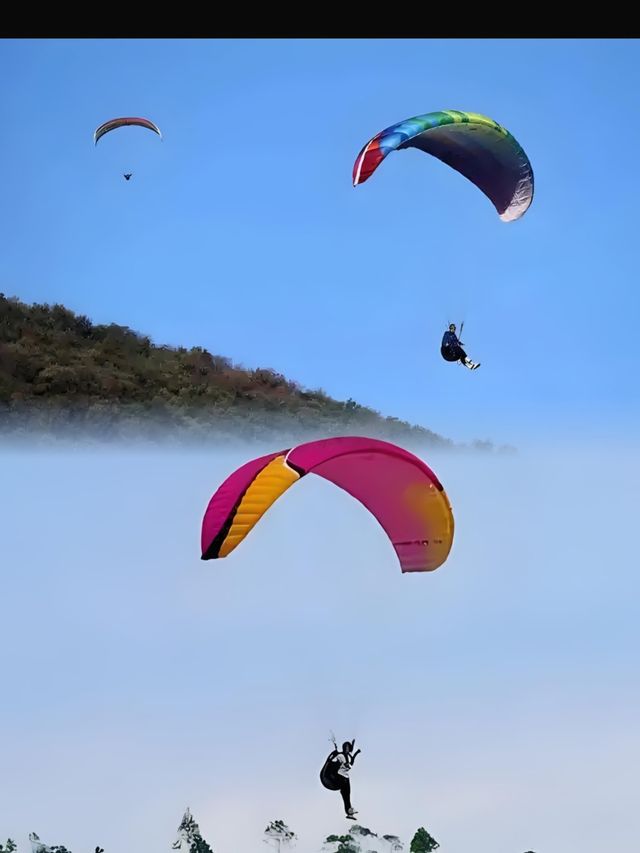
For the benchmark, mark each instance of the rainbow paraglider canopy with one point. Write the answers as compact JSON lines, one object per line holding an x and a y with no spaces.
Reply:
{"x":472,"y":144}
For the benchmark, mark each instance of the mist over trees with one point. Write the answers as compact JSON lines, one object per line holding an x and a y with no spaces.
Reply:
{"x":62,"y":374}
{"x":277,"y":835}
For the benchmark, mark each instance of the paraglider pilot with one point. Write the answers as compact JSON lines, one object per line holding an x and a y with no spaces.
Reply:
{"x":335,"y":774}
{"x":451,"y":349}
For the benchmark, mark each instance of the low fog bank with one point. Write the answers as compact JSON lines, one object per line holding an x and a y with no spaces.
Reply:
{"x":182,"y":427}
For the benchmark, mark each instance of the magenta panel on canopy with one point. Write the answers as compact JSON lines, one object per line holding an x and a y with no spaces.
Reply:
{"x":390,"y":482}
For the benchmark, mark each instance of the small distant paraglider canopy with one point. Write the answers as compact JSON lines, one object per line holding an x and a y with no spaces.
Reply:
{"x":472,"y":144}
{"x":400,"y":491}
{"x":114,"y":123}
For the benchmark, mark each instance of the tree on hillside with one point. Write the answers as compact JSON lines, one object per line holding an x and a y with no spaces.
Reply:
{"x":345,"y":844}
{"x":37,"y":846}
{"x":423,"y":842}
{"x":279,"y":835}
{"x":189,"y":838}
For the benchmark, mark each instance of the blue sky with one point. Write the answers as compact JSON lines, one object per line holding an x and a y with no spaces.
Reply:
{"x":496,"y":700}
{"x":241,"y":231}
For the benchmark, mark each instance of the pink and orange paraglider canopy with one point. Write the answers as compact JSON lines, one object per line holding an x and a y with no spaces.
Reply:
{"x":403,"y":494}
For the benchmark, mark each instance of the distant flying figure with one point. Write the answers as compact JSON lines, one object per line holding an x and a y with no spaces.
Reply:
{"x":451,"y":349}
{"x":116,"y":123}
